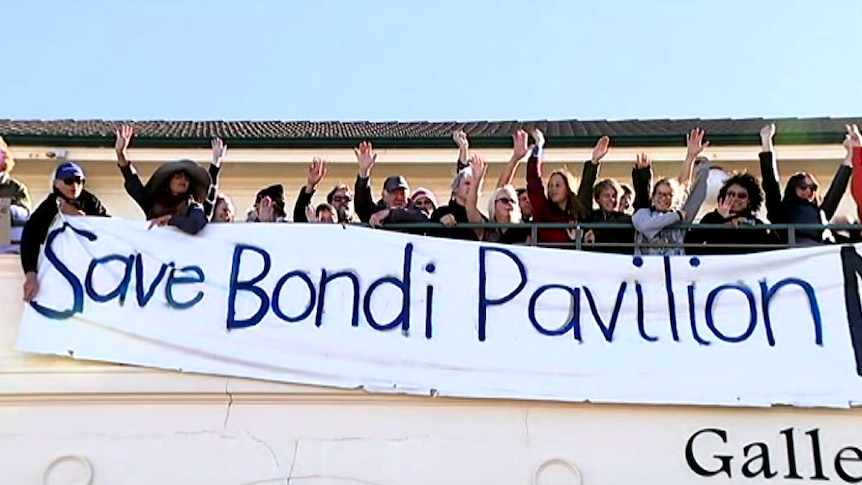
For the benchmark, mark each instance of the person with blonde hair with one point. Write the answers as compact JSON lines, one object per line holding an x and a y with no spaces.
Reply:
{"x":502,"y":208}
{"x":674,"y":200}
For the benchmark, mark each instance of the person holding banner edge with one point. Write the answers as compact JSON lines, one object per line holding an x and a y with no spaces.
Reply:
{"x":68,"y":198}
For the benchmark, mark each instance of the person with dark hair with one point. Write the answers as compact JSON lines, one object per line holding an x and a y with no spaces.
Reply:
{"x":223,"y":209}
{"x":524,"y":204}
{"x":801,"y":203}
{"x":739,"y":199}
{"x":173,"y":195}
{"x":561,"y":204}
{"x":268,"y":205}
{"x":627,"y":199}
{"x":67,"y":197}
{"x":323,"y":213}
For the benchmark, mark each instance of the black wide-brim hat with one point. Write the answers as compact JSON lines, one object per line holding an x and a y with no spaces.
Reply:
{"x":199,"y":177}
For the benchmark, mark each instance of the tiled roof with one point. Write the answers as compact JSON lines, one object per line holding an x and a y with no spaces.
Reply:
{"x":419,"y":134}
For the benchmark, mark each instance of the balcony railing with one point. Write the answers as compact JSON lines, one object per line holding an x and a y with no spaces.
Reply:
{"x":788,"y":233}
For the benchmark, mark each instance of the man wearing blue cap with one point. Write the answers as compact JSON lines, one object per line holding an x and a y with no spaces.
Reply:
{"x":69,"y":198}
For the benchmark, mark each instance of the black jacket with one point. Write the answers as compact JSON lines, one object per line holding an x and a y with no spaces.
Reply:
{"x":707,"y":237}
{"x":36,"y":229}
{"x":792,"y":209}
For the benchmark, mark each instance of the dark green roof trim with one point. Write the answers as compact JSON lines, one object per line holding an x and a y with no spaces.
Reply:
{"x":389,"y":142}
{"x":483,"y":134}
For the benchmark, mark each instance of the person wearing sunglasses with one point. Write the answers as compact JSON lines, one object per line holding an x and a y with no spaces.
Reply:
{"x":801,"y":203}
{"x":67,"y":197}
{"x":739,"y":200}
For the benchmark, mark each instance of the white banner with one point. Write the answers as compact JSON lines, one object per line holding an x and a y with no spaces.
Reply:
{"x":351,"y":307}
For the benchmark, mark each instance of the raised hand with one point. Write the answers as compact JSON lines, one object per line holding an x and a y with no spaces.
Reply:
{"x":121,"y":145}
{"x":643,"y":160}
{"x":694,"y":143}
{"x":479,"y":168}
{"x":461,"y":139}
{"x":520,"y":144}
{"x":219,"y":151}
{"x":767,"y":132}
{"x":538,"y":138}
{"x":316,"y":172}
{"x":266,"y":210}
{"x":601,"y":149}
{"x":310,"y":213}
{"x":366,"y":157}
{"x":766,"y":135}
{"x":855,"y":136}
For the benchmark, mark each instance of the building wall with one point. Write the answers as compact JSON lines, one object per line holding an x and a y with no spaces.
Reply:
{"x":68,"y":422}
{"x":247,"y":171}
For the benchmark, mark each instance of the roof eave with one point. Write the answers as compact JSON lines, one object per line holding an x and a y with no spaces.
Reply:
{"x":407,"y":142}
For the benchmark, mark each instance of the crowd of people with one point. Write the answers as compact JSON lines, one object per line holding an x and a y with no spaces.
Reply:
{"x":642,"y":218}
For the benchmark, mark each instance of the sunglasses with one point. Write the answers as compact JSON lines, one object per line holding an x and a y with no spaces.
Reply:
{"x":339,"y":199}
{"x":737,"y":194}
{"x":73,"y":180}
{"x":506,"y":200}
{"x":809,"y":186}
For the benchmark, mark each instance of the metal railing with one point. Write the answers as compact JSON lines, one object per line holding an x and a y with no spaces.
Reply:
{"x":788,"y":233}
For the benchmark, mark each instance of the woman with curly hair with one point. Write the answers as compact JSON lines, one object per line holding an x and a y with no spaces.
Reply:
{"x":739,"y":199}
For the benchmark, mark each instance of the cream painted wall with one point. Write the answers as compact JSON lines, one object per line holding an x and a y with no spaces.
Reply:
{"x":247,"y":171}
{"x":67,"y":422}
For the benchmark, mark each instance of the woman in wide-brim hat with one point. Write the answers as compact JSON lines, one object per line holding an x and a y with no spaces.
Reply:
{"x":173,"y":195}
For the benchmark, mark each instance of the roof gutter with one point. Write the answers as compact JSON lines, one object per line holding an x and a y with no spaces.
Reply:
{"x":663,"y":140}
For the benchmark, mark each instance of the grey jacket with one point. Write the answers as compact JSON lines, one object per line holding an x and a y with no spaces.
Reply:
{"x":653,"y":226}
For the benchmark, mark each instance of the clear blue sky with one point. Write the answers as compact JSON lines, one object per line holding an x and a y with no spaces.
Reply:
{"x":430,"y":60}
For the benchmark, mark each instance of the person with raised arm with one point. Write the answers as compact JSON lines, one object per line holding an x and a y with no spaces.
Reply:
{"x":502,"y":208}
{"x":173,"y":195}
{"x":672,"y":201}
{"x":460,"y":137}
{"x":561,"y":204}
{"x":217,"y":206}
{"x":393,"y":206}
{"x":316,"y":172}
{"x":455,"y":212}
{"x":801,"y":203}
{"x":519,"y":139}
{"x":67,"y":197}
